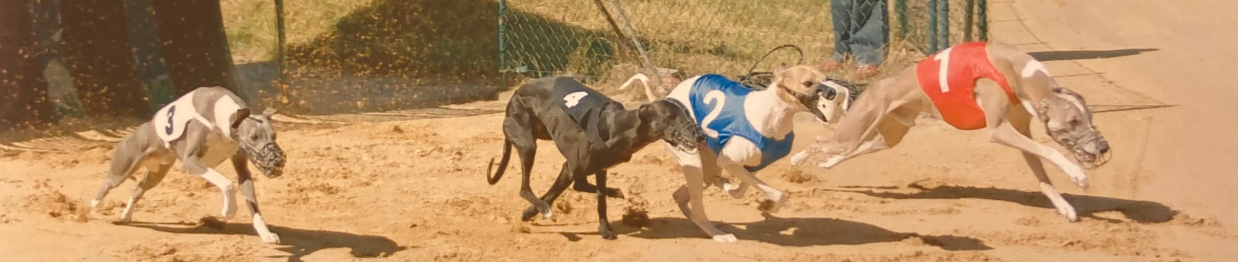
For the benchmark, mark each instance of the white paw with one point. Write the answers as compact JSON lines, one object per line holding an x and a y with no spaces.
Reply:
{"x":772,"y":205}
{"x":270,"y":238}
{"x":549,"y":214}
{"x":94,"y":204}
{"x":1080,"y":180}
{"x":799,"y":158}
{"x":726,"y":238}
{"x":1069,"y":212}
{"x":831,"y":162}
{"x":734,"y":190}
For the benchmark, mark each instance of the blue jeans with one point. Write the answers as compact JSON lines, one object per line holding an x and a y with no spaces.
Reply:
{"x":860,"y":29}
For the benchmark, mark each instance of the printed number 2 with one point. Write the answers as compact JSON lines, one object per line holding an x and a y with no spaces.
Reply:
{"x":710,"y":97}
{"x":171,"y":112}
{"x":574,"y":98}
{"x":944,"y":59}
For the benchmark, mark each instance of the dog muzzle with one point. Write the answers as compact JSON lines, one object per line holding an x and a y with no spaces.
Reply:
{"x":269,"y":159}
{"x":1091,"y":152}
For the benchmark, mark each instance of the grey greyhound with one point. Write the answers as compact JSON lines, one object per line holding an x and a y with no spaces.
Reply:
{"x":201,"y":129}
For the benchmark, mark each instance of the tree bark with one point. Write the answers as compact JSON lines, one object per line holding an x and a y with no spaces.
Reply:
{"x":101,"y":59}
{"x":23,"y":91}
{"x":195,"y":46}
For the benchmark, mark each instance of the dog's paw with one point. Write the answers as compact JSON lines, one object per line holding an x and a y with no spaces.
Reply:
{"x":607,"y":234}
{"x":735,"y":191}
{"x":726,"y":238}
{"x":1081,"y":181}
{"x":799,"y":158}
{"x":1068,"y":212}
{"x":528,"y":214}
{"x":270,"y":238}
{"x":612,"y":192}
{"x":831,"y":162}
{"x":772,"y":206}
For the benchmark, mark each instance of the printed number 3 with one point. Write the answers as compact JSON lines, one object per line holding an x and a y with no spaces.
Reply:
{"x":710,"y":97}
{"x":171,"y":112}
{"x":944,"y":59}
{"x":574,"y":98}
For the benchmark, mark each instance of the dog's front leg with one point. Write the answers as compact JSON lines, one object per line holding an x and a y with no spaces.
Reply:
{"x":689,"y":197}
{"x":194,"y":165}
{"x":1007,"y":135}
{"x":603,"y":223}
{"x":247,"y":189}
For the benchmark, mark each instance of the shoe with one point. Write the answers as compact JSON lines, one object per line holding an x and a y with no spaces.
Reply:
{"x":866,"y":71}
{"x":831,"y":66}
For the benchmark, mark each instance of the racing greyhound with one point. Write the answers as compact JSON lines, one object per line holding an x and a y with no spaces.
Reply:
{"x":592,"y":132}
{"x":201,"y":129}
{"x":975,"y":86}
{"x":746,"y":128}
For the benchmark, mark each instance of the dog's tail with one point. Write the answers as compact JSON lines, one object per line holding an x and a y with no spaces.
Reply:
{"x":507,"y":155}
{"x":644,"y":80}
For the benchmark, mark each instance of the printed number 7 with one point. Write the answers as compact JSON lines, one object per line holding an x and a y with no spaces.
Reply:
{"x":944,"y":59}
{"x":710,"y":97}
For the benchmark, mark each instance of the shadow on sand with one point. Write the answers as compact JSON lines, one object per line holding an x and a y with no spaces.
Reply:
{"x":1087,"y":54}
{"x":793,"y":232}
{"x":297,"y":242}
{"x":1086,"y":206}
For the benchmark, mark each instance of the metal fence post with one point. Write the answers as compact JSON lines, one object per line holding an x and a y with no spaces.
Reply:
{"x":900,"y":9}
{"x":932,"y":24}
{"x":279,"y":39}
{"x":969,"y":7}
{"x":502,"y":47}
{"x":944,"y":30}
{"x":983,"y":25}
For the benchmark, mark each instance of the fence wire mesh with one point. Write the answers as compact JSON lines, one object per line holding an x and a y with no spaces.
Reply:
{"x":574,"y":38}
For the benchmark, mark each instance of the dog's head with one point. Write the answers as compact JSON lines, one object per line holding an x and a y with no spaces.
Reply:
{"x":256,"y":136}
{"x":810,"y":90}
{"x":1069,"y":121}
{"x":667,"y":120}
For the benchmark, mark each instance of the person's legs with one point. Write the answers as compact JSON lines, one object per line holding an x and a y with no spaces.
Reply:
{"x":840,"y":16}
{"x":871,"y":38}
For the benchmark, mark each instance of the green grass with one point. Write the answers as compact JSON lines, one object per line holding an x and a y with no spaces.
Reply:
{"x":455,"y":40}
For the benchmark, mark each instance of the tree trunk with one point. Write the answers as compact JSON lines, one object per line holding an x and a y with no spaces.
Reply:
{"x":23,"y":91}
{"x":195,"y":46}
{"x":101,"y":59}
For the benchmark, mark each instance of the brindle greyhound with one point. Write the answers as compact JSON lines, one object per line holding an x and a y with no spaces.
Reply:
{"x":592,"y":132}
{"x":201,"y":129}
{"x":975,"y":86}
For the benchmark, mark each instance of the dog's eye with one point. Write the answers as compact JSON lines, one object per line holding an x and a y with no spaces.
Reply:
{"x":809,"y":83}
{"x":253,"y":137}
{"x":1074,"y":122}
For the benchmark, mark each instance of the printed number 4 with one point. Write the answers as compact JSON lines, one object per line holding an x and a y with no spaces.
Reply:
{"x":574,"y":98}
{"x":171,"y":112}
{"x":944,"y":59}
{"x":710,"y":97}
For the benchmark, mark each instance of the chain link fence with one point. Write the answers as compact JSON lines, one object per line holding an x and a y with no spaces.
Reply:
{"x":574,"y":38}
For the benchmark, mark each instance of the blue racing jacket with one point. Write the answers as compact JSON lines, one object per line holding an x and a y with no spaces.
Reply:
{"x":713,"y":91}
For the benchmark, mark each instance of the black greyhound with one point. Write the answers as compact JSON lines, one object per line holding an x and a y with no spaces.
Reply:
{"x":591,"y":130}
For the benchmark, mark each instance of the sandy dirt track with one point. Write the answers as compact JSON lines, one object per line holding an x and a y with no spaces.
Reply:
{"x":414,"y":190}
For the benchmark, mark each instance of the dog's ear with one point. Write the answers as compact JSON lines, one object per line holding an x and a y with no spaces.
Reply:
{"x":240,"y":116}
{"x":270,"y":111}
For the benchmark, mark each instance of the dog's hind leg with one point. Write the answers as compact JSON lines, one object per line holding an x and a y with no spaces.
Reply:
{"x":564,"y":179}
{"x":689,"y":197}
{"x":519,"y":127}
{"x":603,"y":223}
{"x":125,"y":161}
{"x":154,"y":175}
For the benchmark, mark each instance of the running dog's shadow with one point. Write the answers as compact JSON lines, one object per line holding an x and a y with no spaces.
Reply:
{"x":297,"y":242}
{"x":795,"y":232}
{"x":1046,"y":56}
{"x":1086,"y":206}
